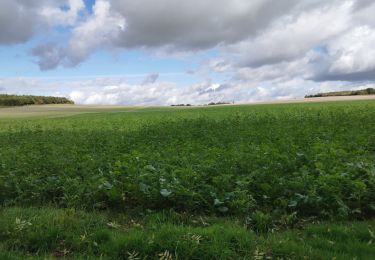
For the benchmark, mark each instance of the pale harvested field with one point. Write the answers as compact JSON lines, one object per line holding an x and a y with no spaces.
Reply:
{"x":313,"y":100}
{"x":70,"y":110}
{"x":58,"y":110}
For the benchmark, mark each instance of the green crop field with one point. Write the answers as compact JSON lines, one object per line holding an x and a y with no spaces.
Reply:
{"x":282,"y":181}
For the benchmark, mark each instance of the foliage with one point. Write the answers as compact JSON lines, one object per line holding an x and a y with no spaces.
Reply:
{"x":15,"y":100}
{"x":367,"y":91}
{"x":181,"y":105}
{"x":219,"y":103}
{"x":315,"y":161}
{"x":209,"y":182}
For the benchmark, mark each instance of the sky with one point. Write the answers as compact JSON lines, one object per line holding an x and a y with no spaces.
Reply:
{"x":147,"y":52}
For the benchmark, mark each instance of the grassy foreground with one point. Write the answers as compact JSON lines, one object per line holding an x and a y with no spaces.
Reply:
{"x":49,"y":233}
{"x":288,"y":181}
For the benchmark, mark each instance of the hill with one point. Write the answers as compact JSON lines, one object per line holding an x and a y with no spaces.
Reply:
{"x":368,"y":91}
{"x":16,"y":100}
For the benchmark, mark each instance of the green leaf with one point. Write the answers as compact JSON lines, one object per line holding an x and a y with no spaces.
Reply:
{"x":150,"y":168}
{"x":165,"y":193}
{"x":293,"y":203}
{"x":106,"y":186}
{"x":222,"y":209}
{"x":144,"y":187}
{"x":217,"y":202}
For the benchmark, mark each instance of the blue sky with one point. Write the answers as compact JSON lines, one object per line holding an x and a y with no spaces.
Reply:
{"x":89,"y":4}
{"x":133,"y":65}
{"x":147,"y":53}
{"x":17,"y":61}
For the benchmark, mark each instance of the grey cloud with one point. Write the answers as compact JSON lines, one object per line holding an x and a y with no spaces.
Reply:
{"x":50,"y":55}
{"x":17,"y":22}
{"x":196,"y":24}
{"x":224,"y":86}
{"x":350,"y":76}
{"x":318,"y":40}
{"x":365,"y":13}
{"x":20,"y":20}
{"x":348,"y":57}
{"x":358,"y":5}
{"x":150,"y":79}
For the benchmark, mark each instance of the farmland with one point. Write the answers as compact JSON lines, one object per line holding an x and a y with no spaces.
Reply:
{"x":278,"y":181}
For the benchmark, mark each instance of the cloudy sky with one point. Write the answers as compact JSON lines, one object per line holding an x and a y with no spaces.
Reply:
{"x":147,"y":52}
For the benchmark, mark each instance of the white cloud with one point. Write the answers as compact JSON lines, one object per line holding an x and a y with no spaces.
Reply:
{"x":99,"y":31}
{"x":349,"y":57}
{"x":322,"y":41}
{"x":292,"y":36}
{"x":111,"y":91}
{"x":64,"y":14}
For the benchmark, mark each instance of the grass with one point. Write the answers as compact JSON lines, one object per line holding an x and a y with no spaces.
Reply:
{"x":234,"y":182}
{"x":47,"y":233}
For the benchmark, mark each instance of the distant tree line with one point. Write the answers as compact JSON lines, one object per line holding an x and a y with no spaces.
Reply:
{"x":181,"y":105}
{"x":368,"y":91}
{"x":218,"y":103}
{"x":209,"y":104}
{"x":16,"y":100}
